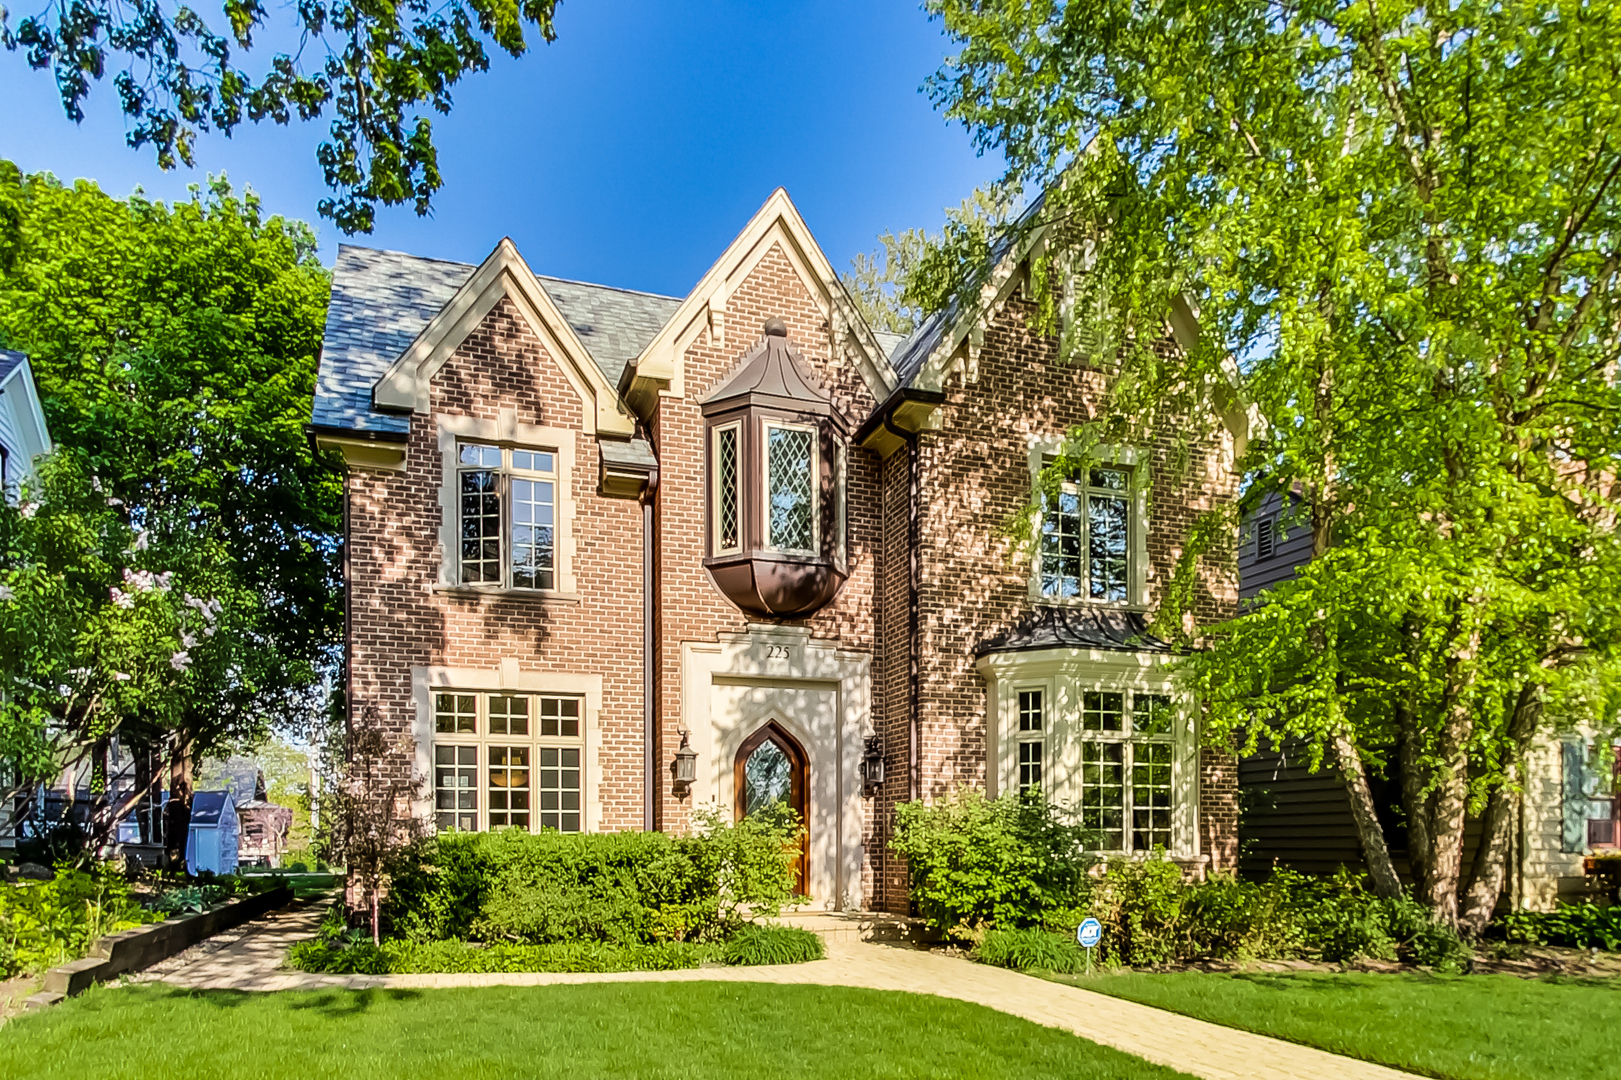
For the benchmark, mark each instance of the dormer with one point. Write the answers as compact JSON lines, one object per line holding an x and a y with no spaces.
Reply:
{"x":775,"y":465}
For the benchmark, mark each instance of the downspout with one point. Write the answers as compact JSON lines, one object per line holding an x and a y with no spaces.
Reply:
{"x":913,"y":574}
{"x":649,"y":661}
{"x":348,"y":619}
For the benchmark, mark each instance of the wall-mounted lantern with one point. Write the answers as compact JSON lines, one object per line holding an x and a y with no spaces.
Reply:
{"x":686,"y":764}
{"x":872,"y":766}
{"x":777,"y":455}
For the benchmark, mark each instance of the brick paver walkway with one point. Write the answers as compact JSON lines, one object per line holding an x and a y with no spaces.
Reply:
{"x":249,"y":962}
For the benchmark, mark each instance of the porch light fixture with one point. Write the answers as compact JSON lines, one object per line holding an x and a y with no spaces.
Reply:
{"x":686,"y":763}
{"x":872,"y":766}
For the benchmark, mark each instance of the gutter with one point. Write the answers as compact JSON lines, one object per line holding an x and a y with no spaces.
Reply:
{"x":914,"y":560}
{"x":650,"y":762}
{"x":883,"y":415}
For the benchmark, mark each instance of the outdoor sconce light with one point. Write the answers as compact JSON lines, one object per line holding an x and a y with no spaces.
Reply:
{"x":686,"y":763}
{"x":872,"y":765}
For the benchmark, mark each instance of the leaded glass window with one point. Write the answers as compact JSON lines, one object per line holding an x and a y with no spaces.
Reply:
{"x":1085,"y":538}
{"x":767,"y":777}
{"x":790,"y":488}
{"x":727,"y":524}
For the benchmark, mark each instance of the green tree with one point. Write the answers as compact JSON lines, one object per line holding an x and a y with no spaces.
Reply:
{"x":1404,"y":223}
{"x":378,"y":67}
{"x":175,"y":348}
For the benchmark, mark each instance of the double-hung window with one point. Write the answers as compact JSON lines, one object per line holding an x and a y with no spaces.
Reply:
{"x":1032,"y":739}
{"x":792,"y":498}
{"x":1085,"y":537}
{"x":504,"y":760}
{"x":1127,"y":744}
{"x":507,"y":510}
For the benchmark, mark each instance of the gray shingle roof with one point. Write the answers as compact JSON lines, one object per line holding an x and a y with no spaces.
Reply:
{"x":381,"y":300}
{"x":9,"y":361}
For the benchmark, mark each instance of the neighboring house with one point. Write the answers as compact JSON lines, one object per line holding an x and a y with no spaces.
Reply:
{"x":23,"y":434}
{"x":211,"y":842}
{"x":263,"y":825}
{"x":599,"y":542}
{"x":1302,"y":819}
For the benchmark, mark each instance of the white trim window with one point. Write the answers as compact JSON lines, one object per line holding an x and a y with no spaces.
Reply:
{"x":507,"y":760}
{"x":791,"y":492}
{"x":1086,"y":528}
{"x":727,"y":454}
{"x":506,"y":516}
{"x":1127,"y":742}
{"x":1032,"y":706}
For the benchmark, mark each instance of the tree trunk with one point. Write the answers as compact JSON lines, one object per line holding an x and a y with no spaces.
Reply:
{"x":1490,"y":867}
{"x":1375,"y":850}
{"x":143,"y":783}
{"x":177,"y":811}
{"x":1447,"y":804}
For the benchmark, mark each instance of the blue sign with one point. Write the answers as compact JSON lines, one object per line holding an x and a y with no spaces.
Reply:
{"x":1089,"y":933}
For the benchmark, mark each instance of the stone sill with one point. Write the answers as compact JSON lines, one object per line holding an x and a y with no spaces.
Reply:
{"x":543,"y":596}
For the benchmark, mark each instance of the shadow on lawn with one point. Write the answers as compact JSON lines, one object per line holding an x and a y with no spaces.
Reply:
{"x":340,"y":1004}
{"x":335,"y":1004}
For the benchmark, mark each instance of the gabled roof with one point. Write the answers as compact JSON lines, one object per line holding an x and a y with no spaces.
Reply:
{"x":209,"y":807}
{"x":1076,"y":628}
{"x":382,"y":301}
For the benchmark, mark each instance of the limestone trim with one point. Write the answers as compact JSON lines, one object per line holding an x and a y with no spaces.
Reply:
{"x":504,"y":431}
{"x":405,"y":385}
{"x":1066,"y":674}
{"x":814,"y":690}
{"x":365,"y":453}
{"x":509,"y":675}
{"x":1043,"y":451}
{"x":658,"y":371}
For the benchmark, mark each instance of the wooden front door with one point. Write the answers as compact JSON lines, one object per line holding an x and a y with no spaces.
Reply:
{"x":771,"y":768}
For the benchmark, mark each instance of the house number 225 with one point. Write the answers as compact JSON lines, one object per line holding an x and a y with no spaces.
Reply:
{"x":778,"y":652}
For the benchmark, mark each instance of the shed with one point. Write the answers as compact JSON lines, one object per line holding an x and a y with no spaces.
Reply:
{"x":211,"y":844}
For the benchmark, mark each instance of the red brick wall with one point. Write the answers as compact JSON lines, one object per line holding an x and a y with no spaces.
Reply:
{"x":690,"y":607}
{"x":975,"y":474}
{"x":400,"y":622}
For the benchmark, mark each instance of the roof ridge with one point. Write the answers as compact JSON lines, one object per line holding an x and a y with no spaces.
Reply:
{"x":614,"y":288}
{"x":408,"y":255}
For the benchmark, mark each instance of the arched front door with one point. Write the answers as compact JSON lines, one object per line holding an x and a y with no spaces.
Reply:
{"x":772,"y":768}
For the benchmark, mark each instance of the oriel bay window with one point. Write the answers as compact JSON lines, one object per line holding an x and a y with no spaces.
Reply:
{"x":776,"y":461}
{"x":1086,"y":537}
{"x":507,"y":516}
{"x":503,"y":760}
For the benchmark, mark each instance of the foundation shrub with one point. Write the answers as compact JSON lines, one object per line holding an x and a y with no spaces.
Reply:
{"x":755,"y":944}
{"x":616,"y":888}
{"x":1011,"y":863}
{"x":1030,"y":950}
{"x":1577,"y":926}
{"x":981,"y":865}
{"x":395,"y":957}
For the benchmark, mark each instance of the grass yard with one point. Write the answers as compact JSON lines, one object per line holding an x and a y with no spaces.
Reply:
{"x":647,"y":1030}
{"x":1464,"y":1027}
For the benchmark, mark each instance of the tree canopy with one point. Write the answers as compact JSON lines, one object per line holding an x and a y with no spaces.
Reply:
{"x":378,"y":67}
{"x":1400,"y":227}
{"x":174,"y":577}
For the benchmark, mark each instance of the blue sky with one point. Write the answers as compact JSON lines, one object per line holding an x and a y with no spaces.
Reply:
{"x":629,"y":152}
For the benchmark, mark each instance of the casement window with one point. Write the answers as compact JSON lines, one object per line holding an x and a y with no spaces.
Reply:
{"x":792,"y":503}
{"x":1086,"y":540}
{"x":1032,"y":739}
{"x":727,"y":455}
{"x":506,"y":516}
{"x":507,"y":760}
{"x":1127,"y":744}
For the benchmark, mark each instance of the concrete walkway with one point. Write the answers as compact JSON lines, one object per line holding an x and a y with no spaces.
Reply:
{"x":250,"y":959}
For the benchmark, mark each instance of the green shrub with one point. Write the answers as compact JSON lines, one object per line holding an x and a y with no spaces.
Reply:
{"x":409,"y":957}
{"x":1008,"y":862}
{"x":756,"y":944}
{"x":620,"y":888}
{"x":44,"y":923}
{"x":1030,"y":950}
{"x":1577,"y":926}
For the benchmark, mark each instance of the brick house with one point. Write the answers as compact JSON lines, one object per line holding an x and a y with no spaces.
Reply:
{"x":591,"y":530}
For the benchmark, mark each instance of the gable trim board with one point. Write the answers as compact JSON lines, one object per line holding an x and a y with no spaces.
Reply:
{"x":659,"y":370}
{"x":405,"y":385}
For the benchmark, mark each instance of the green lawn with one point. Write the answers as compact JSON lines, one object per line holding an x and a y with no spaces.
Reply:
{"x":1465,"y":1027}
{"x":712,"y":1030}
